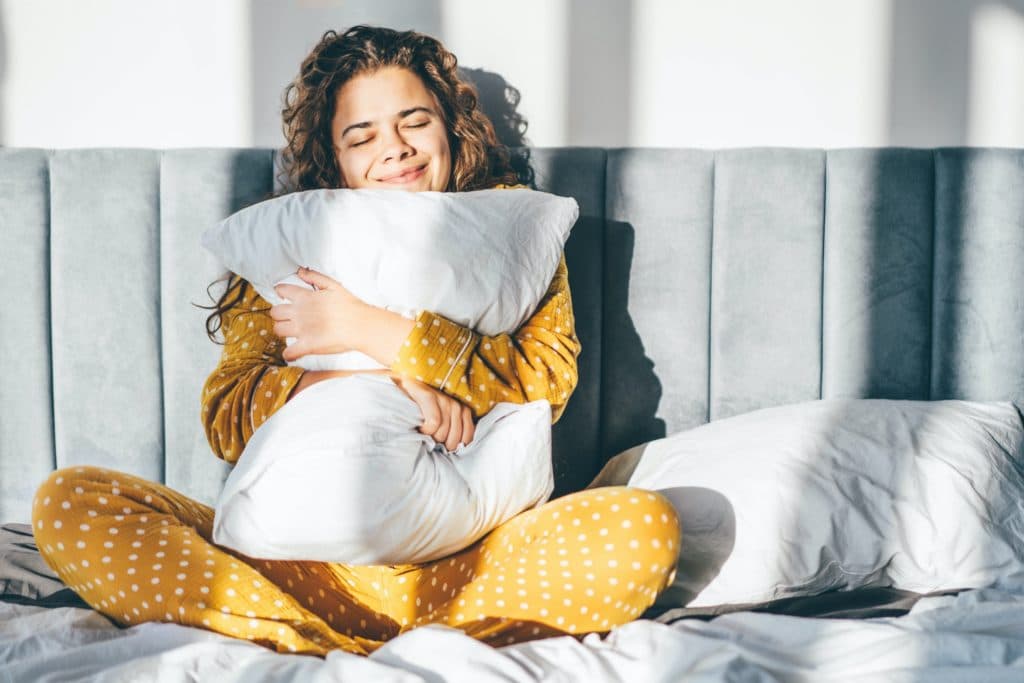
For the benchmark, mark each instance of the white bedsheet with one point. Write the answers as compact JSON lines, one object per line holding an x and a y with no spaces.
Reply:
{"x":975,"y":636}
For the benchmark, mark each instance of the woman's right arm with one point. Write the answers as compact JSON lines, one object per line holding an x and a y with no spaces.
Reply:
{"x":252,"y":380}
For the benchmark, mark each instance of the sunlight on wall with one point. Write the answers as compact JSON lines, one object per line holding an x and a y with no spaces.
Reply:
{"x":735,"y":73}
{"x":661,"y":73}
{"x":525,"y":42}
{"x":126,"y":74}
{"x":996,"y":104}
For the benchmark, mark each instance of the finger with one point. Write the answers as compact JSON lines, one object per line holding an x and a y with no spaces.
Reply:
{"x":455,"y":432}
{"x":281,"y":311}
{"x":317,"y":279}
{"x":293,"y":352}
{"x":291,"y":292}
{"x":431,"y":414}
{"x":468,"y":428}
{"x":285,"y":328}
{"x":445,"y":416}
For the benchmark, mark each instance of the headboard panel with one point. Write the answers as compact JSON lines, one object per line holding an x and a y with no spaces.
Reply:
{"x":26,"y":381}
{"x":105,"y":309}
{"x":978,"y":300}
{"x":879,"y":218}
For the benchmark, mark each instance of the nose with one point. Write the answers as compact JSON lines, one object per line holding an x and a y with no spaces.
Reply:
{"x":394,"y":146}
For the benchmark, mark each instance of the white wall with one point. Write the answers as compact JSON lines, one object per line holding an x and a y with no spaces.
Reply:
{"x":815,"y":73}
{"x":124,"y":73}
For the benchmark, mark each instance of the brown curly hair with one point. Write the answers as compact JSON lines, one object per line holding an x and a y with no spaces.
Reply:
{"x":308,"y":161}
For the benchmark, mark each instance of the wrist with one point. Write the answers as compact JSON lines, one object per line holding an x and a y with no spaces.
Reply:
{"x":382,"y":333}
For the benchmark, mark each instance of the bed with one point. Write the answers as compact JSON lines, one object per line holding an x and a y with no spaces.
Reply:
{"x":707,"y":284}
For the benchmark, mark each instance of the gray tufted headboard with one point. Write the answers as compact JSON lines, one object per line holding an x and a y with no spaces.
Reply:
{"x":705,"y":283}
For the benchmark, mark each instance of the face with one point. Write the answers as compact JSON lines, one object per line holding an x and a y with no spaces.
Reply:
{"x":388,"y":133}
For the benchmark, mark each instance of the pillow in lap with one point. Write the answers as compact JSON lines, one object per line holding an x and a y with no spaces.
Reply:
{"x":840,"y":494}
{"x":340,"y":473}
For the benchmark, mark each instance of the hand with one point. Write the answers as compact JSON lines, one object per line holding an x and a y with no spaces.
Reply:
{"x":322,"y":320}
{"x":445,"y":419}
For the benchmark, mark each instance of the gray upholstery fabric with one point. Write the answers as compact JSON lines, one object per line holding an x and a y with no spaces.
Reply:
{"x":766,"y":278}
{"x":705,"y":283}
{"x":879,"y":220}
{"x":657,"y":296}
{"x":978,"y":298}
{"x":26,"y":386}
{"x":105,"y":309}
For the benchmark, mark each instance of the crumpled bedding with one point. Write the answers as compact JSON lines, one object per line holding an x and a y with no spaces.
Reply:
{"x":976,"y":635}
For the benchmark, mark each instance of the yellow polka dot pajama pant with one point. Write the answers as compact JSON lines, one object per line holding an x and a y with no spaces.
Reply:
{"x":139,"y":551}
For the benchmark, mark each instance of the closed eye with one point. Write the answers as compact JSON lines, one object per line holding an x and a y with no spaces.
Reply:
{"x":415,"y":125}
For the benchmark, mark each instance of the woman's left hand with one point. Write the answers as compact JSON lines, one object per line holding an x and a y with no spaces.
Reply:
{"x":322,"y":321}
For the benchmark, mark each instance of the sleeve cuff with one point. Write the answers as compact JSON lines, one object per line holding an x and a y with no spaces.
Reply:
{"x":432,"y":351}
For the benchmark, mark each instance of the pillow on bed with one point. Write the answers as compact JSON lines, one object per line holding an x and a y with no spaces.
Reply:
{"x":840,"y":494}
{"x":482,"y":259}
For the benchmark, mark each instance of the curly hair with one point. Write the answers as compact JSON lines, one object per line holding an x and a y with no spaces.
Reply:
{"x":308,"y":161}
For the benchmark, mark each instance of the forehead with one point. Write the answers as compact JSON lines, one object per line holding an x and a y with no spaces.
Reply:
{"x":380,"y":94}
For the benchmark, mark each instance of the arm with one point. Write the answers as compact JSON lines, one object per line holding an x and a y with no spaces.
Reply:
{"x":537,"y":361}
{"x":251,"y":381}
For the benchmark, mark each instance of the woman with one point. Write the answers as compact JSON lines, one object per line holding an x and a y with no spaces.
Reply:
{"x":371,"y":108}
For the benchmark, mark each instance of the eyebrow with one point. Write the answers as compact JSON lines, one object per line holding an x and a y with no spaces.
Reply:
{"x":402,"y":114}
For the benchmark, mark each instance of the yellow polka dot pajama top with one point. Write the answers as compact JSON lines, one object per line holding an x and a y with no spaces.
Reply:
{"x":139,"y":551}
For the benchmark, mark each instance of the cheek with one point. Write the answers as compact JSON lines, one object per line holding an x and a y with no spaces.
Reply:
{"x":442,"y":153}
{"x":353,"y":169}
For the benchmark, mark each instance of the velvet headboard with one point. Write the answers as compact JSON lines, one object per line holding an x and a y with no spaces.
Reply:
{"x":706,"y":283}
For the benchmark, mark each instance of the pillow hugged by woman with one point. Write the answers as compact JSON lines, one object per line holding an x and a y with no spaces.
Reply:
{"x":370,"y":108}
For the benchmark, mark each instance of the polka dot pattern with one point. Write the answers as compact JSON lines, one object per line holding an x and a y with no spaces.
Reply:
{"x":537,"y":362}
{"x":571,"y":566}
{"x":250,"y":382}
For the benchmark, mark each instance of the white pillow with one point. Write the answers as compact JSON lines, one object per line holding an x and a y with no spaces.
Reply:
{"x":482,"y":259}
{"x":840,"y":494}
{"x":340,"y":474}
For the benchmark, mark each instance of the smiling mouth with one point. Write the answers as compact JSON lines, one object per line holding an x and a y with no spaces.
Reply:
{"x":406,"y":177}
